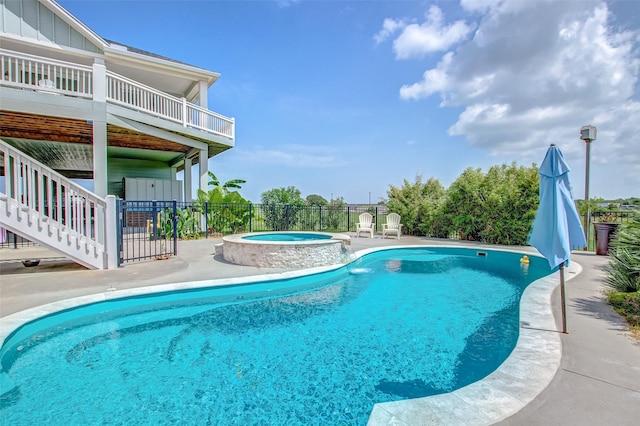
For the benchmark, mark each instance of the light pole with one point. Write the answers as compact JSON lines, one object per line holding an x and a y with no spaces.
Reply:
{"x":369,"y":198}
{"x":587,"y":134}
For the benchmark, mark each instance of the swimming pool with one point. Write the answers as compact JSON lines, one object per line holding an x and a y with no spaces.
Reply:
{"x":398,"y":324}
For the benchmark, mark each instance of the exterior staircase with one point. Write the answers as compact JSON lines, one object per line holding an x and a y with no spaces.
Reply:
{"x":45,"y":207}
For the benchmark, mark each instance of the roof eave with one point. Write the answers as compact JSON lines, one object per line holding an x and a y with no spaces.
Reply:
{"x":193,"y":72}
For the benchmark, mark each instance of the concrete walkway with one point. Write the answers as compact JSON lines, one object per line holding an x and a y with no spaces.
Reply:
{"x":598,"y":381}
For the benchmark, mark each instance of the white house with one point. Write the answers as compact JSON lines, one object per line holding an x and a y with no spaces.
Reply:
{"x":75,"y":105}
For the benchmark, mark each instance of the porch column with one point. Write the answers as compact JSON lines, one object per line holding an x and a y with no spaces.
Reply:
{"x":187,"y":180}
{"x":203,"y":166}
{"x":204,"y":90}
{"x":100,"y":181}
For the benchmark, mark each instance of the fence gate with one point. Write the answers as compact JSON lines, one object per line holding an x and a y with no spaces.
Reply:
{"x":147,"y":230}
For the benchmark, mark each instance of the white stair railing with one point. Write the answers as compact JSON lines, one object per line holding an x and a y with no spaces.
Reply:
{"x":46,"y":207}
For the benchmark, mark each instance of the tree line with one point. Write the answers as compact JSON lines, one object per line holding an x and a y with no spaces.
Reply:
{"x":496,"y":207}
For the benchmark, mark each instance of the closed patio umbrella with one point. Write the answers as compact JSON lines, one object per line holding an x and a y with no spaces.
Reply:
{"x":557,"y":228}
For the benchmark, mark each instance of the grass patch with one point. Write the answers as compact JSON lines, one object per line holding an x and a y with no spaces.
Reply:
{"x":627,"y":305}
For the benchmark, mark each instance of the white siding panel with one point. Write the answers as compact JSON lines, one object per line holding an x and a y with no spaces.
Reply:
{"x":46,"y":24}
{"x":60,"y":32}
{"x":12,"y":16}
{"x":30,"y":19}
{"x":77,"y":40}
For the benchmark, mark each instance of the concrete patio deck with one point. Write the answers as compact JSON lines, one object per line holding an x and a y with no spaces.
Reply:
{"x":597,"y":382}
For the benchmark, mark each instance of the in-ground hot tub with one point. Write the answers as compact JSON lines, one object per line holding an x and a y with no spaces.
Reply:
{"x":285,"y":249}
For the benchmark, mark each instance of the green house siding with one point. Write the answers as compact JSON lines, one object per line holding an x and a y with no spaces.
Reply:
{"x":119,"y":168}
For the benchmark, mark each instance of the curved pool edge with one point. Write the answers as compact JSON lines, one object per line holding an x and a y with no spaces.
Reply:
{"x":524,"y":375}
{"x":11,"y":323}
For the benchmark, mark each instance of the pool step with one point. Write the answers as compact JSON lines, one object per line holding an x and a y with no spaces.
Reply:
{"x":6,"y":384}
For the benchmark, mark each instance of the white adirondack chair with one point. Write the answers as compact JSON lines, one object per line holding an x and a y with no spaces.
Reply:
{"x":365,"y":224}
{"x":393,"y":225}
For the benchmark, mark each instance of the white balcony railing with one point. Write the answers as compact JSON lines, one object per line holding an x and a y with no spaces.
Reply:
{"x":42,"y":74}
{"x":129,"y":93}
{"x":21,"y":70}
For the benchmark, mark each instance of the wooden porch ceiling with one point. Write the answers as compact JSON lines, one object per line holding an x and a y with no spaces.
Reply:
{"x":65,"y":144}
{"x":16,"y":125}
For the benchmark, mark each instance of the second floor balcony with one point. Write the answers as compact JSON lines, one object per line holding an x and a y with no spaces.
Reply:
{"x":27,"y":72}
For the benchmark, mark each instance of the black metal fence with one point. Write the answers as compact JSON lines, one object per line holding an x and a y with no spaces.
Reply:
{"x":611,"y":216}
{"x":10,"y":240}
{"x":147,"y":230}
{"x":151,"y":229}
{"x":223,"y":219}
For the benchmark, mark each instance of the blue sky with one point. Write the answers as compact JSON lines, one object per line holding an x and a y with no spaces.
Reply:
{"x":344,"y":98}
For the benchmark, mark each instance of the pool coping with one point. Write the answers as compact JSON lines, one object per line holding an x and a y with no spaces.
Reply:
{"x":520,"y":378}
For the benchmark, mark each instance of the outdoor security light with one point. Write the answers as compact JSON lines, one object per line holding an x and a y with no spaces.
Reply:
{"x":588,"y":133}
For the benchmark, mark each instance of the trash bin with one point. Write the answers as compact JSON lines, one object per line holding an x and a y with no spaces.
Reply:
{"x":604,"y":234}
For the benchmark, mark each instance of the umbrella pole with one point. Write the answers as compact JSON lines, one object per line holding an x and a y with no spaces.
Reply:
{"x":562,"y":300}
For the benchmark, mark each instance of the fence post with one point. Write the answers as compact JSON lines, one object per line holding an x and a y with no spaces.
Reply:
{"x":348,"y":218}
{"x":206,"y":219}
{"x":250,"y":217}
{"x":287,"y":216}
{"x":375,"y":225}
{"x":175,"y":228}
{"x":112,"y":232}
{"x":122,"y":216}
{"x":320,"y":214}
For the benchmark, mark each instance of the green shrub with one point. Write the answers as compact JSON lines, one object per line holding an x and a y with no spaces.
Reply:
{"x":623,"y":270}
{"x":627,"y":305}
{"x":281,"y":207}
{"x":418,"y":204}
{"x":497,"y":207}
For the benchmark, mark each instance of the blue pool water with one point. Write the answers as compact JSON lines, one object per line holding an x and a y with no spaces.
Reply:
{"x":287,"y":236}
{"x":317,"y":350}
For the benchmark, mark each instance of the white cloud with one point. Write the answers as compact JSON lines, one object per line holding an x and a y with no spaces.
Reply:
{"x":389,"y":27}
{"x":533,"y":73}
{"x":431,"y":36}
{"x":416,"y":40}
{"x":298,"y":156}
{"x":434,"y":80}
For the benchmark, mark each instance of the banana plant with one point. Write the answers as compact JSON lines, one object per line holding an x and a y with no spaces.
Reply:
{"x":187,"y":224}
{"x":226,"y":212}
{"x":230,"y":184}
